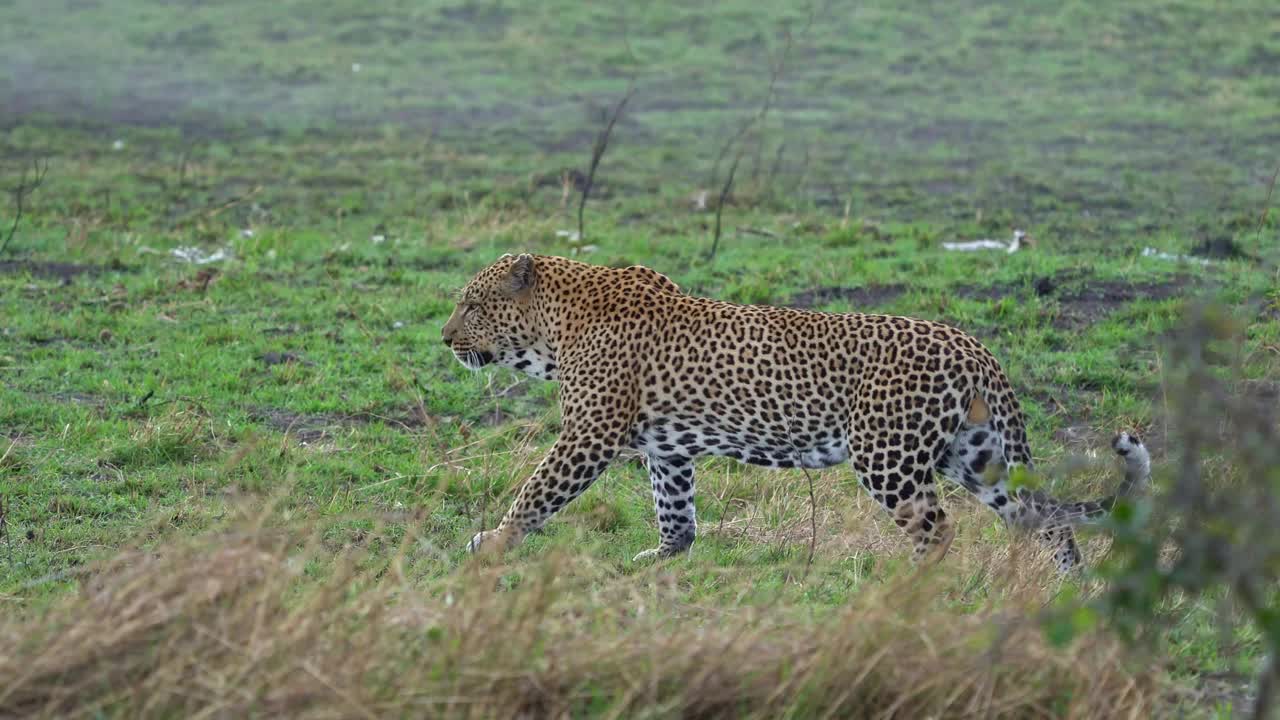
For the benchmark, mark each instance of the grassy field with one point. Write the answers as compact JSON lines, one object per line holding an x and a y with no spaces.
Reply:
{"x":278,"y":440}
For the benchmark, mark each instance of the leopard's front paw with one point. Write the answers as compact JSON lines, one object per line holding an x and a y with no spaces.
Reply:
{"x":648,"y":555}
{"x":659,"y":553}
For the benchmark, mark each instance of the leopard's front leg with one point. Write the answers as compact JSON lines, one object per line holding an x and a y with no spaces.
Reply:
{"x":598,"y":410}
{"x":572,"y":465}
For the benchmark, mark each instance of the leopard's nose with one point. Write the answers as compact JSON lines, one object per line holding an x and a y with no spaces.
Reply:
{"x":448,"y":341}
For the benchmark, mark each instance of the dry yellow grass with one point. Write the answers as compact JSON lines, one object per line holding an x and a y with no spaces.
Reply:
{"x":233,"y":625}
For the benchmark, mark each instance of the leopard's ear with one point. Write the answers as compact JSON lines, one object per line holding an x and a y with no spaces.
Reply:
{"x":521,"y":277}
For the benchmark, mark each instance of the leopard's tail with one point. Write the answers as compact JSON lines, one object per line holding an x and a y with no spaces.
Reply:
{"x":1137,"y":479}
{"x":1040,"y":509}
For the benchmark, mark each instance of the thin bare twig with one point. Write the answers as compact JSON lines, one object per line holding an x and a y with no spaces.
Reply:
{"x":755,"y":123}
{"x":724,"y":193}
{"x":813,"y":503}
{"x":142,"y":401}
{"x":813,"y":524}
{"x":724,"y":510}
{"x":597,"y":152}
{"x":803,"y":175}
{"x":775,"y":72}
{"x":1266,"y":204}
{"x":777,"y":164}
{"x":20,"y":192}
{"x":726,"y":147}
{"x":4,"y":526}
{"x":183,"y":159}
{"x":626,"y":40}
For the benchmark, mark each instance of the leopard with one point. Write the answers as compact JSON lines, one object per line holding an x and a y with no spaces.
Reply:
{"x":644,"y":367}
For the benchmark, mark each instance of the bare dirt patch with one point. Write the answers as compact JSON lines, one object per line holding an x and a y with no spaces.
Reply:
{"x":1083,"y":300}
{"x":868,"y":296}
{"x":1267,"y":309}
{"x":1095,"y":299}
{"x":314,"y":427}
{"x":65,"y":272}
{"x":987,"y":292}
{"x":1221,"y":247}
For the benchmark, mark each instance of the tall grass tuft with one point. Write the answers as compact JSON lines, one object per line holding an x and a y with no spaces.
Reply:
{"x":252,"y":621}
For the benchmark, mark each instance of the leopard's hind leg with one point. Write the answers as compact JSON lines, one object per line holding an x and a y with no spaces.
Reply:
{"x":895,"y":457}
{"x":976,"y":460}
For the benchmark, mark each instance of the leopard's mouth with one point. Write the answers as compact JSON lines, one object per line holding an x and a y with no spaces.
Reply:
{"x":474,"y":359}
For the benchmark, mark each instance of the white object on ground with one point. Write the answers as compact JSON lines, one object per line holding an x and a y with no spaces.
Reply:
{"x":1013,"y":246}
{"x":196,"y":256}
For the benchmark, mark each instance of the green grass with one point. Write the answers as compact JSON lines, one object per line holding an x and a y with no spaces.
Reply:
{"x":1125,"y":111}
{"x":140,"y":399}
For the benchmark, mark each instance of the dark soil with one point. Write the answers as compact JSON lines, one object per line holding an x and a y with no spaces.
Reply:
{"x":1044,"y":286}
{"x":986,"y":292}
{"x":63,"y":271}
{"x":1083,"y":301}
{"x":1267,"y":309}
{"x":1088,"y":303}
{"x":869,"y":297}
{"x":1221,"y":247}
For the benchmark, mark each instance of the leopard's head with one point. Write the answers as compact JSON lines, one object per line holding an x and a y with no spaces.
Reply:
{"x":493,"y":321}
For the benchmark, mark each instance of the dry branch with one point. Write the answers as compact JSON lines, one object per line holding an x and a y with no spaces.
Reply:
{"x":775,"y":72}
{"x":724,"y":193}
{"x":813,"y":524}
{"x":755,"y":123}
{"x":725,"y":148}
{"x":777,"y":164}
{"x":597,"y":152}
{"x":1266,"y":204}
{"x":813,"y":504}
{"x":27,"y":185}
{"x":4,"y":524}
